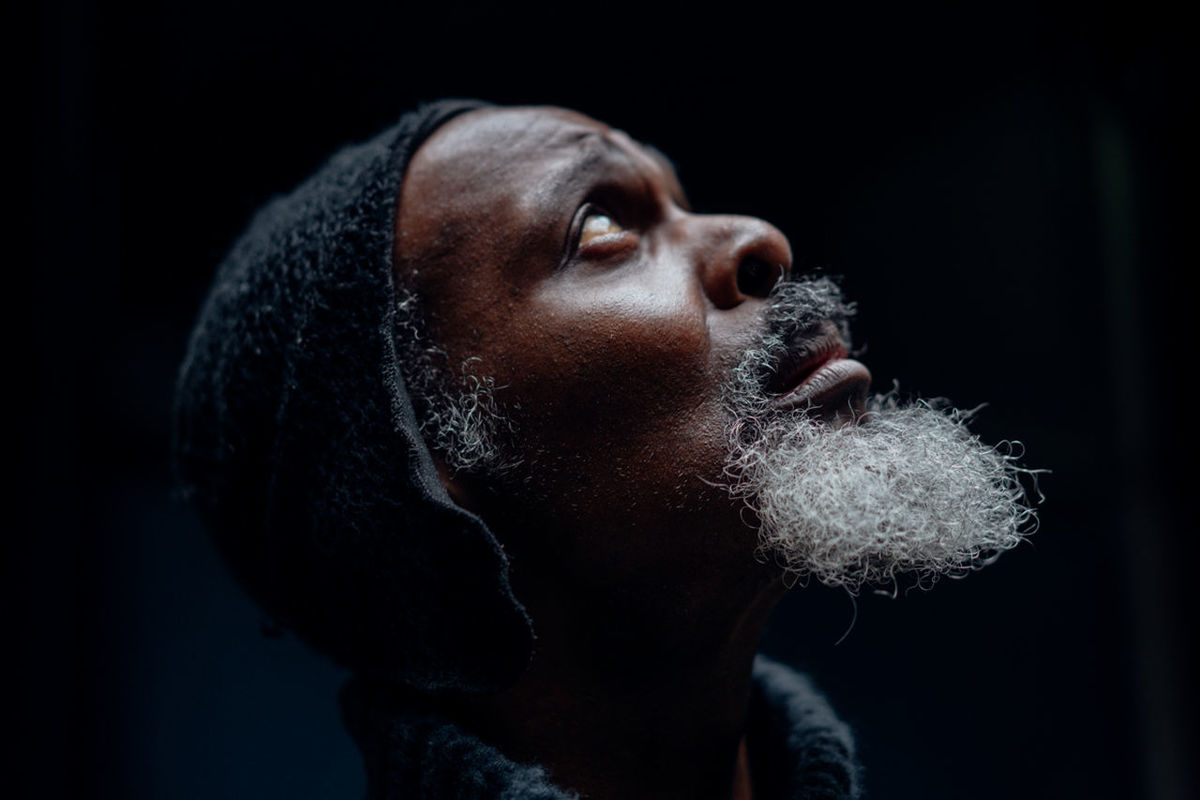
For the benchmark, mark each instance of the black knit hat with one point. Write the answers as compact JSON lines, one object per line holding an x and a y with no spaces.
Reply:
{"x":297,"y":443}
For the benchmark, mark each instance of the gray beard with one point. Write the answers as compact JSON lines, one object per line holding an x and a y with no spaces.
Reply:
{"x":906,"y":490}
{"x":458,"y":414}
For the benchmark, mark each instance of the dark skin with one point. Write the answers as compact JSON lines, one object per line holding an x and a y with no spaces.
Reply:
{"x":560,"y":257}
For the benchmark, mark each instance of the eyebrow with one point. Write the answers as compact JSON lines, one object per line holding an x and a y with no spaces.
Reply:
{"x":591,"y":152}
{"x":600,"y":151}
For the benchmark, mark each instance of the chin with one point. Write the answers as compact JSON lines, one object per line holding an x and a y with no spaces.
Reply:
{"x":906,"y":491}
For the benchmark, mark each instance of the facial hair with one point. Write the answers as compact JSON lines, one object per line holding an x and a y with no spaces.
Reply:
{"x":904,"y":490}
{"x":458,"y":414}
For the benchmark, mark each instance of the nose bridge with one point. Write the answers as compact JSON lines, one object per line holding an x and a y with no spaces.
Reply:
{"x":738,"y":257}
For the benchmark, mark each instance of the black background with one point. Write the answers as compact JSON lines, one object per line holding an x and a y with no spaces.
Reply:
{"x":1006,"y":191}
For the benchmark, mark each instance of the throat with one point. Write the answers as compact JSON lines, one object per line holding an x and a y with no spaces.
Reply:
{"x":611,"y":713}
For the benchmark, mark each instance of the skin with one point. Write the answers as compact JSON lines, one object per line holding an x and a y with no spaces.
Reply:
{"x":559,"y":256}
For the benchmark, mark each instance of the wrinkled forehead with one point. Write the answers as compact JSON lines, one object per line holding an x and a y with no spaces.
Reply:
{"x":494,"y":138}
{"x":493,"y":154}
{"x":519,"y":129}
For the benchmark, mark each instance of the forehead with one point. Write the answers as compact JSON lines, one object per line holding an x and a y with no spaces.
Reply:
{"x":524,"y":154}
{"x":522,"y":129}
{"x":488,"y":137}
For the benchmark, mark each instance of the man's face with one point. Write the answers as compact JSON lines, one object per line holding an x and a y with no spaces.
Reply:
{"x":630,"y":348}
{"x":560,"y":257}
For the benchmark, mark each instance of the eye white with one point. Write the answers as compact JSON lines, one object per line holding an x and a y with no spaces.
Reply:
{"x":597,"y":225}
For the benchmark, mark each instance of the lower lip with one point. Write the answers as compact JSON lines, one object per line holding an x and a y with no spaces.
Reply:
{"x":837,"y":382}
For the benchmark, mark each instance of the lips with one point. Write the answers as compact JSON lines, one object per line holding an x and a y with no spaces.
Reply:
{"x":817,"y":375}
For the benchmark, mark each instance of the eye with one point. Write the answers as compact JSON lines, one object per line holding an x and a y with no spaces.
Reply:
{"x":596,"y":225}
{"x":597,"y":236}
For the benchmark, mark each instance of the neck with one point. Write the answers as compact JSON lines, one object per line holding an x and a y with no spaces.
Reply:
{"x":630,"y":696}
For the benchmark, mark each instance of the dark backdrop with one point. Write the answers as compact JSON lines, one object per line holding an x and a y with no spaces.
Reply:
{"x":1004,"y":189}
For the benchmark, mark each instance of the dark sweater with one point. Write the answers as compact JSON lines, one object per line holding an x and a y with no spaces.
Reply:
{"x":798,"y":749}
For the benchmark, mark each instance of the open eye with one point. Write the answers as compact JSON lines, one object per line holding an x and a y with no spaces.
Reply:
{"x":596,"y":225}
{"x":597,"y":237}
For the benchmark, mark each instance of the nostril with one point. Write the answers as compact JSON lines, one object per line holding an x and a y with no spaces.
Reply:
{"x":756,"y":278}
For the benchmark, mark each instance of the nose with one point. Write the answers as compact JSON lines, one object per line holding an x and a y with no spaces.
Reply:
{"x":741,"y":258}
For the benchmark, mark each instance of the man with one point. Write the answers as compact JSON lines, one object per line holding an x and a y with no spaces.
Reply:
{"x":486,"y":413}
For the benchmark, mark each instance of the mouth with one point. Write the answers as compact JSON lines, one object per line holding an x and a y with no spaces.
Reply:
{"x":818,"y":376}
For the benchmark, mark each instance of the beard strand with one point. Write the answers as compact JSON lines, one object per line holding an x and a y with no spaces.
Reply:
{"x":906,"y":490}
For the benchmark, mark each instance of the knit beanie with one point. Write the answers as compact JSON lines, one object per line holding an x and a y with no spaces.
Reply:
{"x":296,"y":441}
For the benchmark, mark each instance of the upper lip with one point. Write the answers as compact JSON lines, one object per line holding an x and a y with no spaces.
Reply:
{"x":807,"y":352}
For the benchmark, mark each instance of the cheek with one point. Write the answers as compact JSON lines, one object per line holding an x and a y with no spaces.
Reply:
{"x":618,"y":402}
{"x":614,"y":389}
{"x":611,"y":349}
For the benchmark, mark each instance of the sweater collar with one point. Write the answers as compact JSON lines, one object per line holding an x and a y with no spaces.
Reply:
{"x":798,"y":749}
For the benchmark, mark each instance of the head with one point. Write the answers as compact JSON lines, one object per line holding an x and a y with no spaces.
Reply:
{"x":649,"y":393}
{"x":637,"y":407}
{"x":591,"y":320}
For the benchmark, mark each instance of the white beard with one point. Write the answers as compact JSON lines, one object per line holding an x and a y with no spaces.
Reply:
{"x":907,"y":490}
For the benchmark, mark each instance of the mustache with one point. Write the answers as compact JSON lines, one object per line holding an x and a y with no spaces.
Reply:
{"x":797,"y":310}
{"x":796,"y":305}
